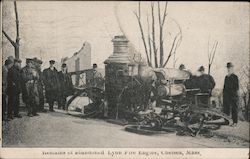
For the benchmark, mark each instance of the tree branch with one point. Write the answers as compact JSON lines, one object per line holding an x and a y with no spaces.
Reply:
{"x":165,"y":13}
{"x":161,"y":35}
{"x":7,"y":36}
{"x":211,"y":56}
{"x":210,"y":53}
{"x":149,"y":43}
{"x":214,"y":52}
{"x":153,"y":34}
{"x":159,"y":13}
{"x":175,"y":44}
{"x":142,"y":32}
{"x":17,"y":24}
{"x":173,"y":49}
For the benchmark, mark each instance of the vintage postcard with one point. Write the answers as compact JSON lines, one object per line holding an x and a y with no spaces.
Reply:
{"x":125,"y":79}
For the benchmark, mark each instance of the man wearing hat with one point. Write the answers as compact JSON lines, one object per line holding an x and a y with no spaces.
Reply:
{"x":14,"y":89}
{"x":11,"y":58}
{"x":96,"y":77}
{"x":66,"y":86}
{"x":182,"y":67}
{"x":30,"y":83}
{"x":52,"y":85}
{"x":230,"y":94}
{"x":206,"y":84}
{"x":40,"y":85}
{"x":7,"y":65}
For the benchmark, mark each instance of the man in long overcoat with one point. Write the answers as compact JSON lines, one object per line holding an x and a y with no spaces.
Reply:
{"x":206,"y":84}
{"x":30,"y":84}
{"x":230,"y":94}
{"x":66,"y":86}
{"x":14,"y":89}
{"x":40,"y":84}
{"x":52,"y":85}
{"x":5,"y":69}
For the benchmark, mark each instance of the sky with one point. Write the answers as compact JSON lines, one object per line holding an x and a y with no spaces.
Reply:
{"x":56,"y":29}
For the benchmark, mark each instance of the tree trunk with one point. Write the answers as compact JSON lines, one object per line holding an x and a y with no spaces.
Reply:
{"x":16,"y":43}
{"x":17,"y":52}
{"x":153,"y":35}
{"x":17,"y":33}
{"x":161,"y":48}
{"x":142,"y":32}
{"x":248,"y":107}
{"x":209,"y":68}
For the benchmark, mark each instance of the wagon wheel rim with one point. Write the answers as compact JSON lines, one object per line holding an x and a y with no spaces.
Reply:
{"x":86,"y":92}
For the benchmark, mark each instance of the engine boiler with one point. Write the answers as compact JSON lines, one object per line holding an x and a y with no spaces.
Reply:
{"x":119,"y":68}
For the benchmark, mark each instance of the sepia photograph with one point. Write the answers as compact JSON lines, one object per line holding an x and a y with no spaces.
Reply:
{"x":150,"y":79}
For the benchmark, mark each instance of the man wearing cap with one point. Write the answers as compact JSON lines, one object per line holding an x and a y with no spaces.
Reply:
{"x":7,"y":65}
{"x":40,"y":85}
{"x":66,"y":86}
{"x":206,"y":84}
{"x":230,"y":94}
{"x":182,"y":67}
{"x":11,"y":58}
{"x":96,"y":79}
{"x":52,"y":85}
{"x":14,"y":89}
{"x":30,"y":82}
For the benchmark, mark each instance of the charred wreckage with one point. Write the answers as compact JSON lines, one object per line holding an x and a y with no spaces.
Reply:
{"x":147,"y":100}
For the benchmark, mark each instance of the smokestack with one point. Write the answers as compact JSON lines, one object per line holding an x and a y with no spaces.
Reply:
{"x":120,"y":51}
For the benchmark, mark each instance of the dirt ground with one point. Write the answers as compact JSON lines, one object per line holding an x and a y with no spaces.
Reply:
{"x":57,"y":129}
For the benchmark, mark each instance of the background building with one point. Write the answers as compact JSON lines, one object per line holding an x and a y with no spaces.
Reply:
{"x":80,"y":60}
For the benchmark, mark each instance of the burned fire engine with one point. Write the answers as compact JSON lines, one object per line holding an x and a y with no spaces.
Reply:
{"x":148,"y":100}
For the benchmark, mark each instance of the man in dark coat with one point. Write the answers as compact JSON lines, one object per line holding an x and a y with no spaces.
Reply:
{"x":40,"y":84}
{"x":30,"y":82}
{"x":52,"y":85}
{"x":14,"y":89}
{"x":206,"y":84}
{"x":230,"y":94}
{"x":96,"y":79}
{"x":5,"y":69}
{"x":66,"y":86}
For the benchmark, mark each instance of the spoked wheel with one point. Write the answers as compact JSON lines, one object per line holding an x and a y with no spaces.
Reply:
{"x":151,"y":124}
{"x":94,"y":104}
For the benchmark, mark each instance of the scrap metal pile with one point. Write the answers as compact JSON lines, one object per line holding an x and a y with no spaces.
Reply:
{"x":168,"y":106}
{"x":156,"y":105}
{"x":149,"y":100}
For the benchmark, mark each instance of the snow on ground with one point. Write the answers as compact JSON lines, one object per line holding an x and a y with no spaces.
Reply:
{"x":57,"y":129}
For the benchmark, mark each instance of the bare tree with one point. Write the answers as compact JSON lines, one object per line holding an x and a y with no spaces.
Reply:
{"x":161,"y":24}
{"x":175,"y":45}
{"x":151,"y":48}
{"x":245,"y":88}
{"x":211,"y":55}
{"x":149,"y":42}
{"x":138,"y":16}
{"x":15,"y":43}
{"x":153,"y":35}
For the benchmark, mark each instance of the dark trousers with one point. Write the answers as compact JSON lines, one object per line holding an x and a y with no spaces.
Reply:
{"x":4,"y":105}
{"x":41,"y":98}
{"x":13,"y":104}
{"x":62,"y":101}
{"x":41,"y":103}
{"x":230,"y":106}
{"x":51,"y":97}
{"x":32,"y":100}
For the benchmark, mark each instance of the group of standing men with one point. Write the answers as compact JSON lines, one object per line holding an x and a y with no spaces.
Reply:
{"x":206,"y":83}
{"x":31,"y":82}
